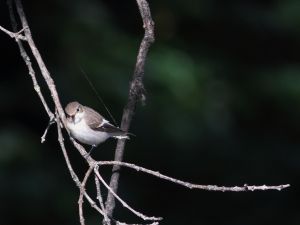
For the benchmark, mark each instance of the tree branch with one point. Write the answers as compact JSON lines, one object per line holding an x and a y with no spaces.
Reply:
{"x":27,"y":60}
{"x":144,"y":217}
{"x":195,"y":186}
{"x":82,"y":191}
{"x":136,"y":93}
{"x":44,"y":71}
{"x":17,"y":35}
{"x":100,"y":199}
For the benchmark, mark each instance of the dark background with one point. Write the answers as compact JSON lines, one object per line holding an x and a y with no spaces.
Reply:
{"x":223,"y":104}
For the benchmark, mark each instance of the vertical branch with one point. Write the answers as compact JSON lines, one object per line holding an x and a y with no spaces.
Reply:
{"x":136,"y":93}
{"x":80,"y":200}
{"x":100,"y":199}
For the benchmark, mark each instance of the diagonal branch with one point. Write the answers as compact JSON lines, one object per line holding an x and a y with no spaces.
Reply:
{"x":27,"y":60}
{"x":82,"y":190}
{"x":136,"y":93}
{"x":44,"y":71}
{"x":100,"y":199}
{"x":16,"y":35}
{"x":144,"y":217}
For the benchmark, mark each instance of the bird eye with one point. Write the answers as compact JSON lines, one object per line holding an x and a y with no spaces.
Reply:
{"x":78,"y":109}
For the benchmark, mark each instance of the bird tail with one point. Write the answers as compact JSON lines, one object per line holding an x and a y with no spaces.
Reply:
{"x":115,"y":132}
{"x":121,"y":136}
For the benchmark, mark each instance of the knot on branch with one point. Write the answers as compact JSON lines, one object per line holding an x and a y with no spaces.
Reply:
{"x":137,"y":90}
{"x":149,"y":31}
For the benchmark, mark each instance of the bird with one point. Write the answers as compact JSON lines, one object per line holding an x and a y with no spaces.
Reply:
{"x":89,"y":127}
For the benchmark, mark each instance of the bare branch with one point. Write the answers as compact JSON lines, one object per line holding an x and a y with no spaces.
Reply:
{"x":123,"y":202}
{"x":100,"y":199}
{"x":99,"y":195}
{"x":195,"y":186}
{"x":136,"y":93}
{"x":93,"y":165}
{"x":27,"y":61}
{"x":44,"y":71}
{"x":43,"y":138}
{"x":82,"y":191}
{"x":17,"y":35}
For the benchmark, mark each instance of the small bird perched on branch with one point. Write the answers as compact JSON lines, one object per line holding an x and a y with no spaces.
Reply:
{"x":89,"y":127}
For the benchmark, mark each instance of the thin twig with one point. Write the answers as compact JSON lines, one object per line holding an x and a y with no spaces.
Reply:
{"x":136,"y":93}
{"x":83,"y":152}
{"x":17,"y":36}
{"x":144,"y":217}
{"x":44,"y":71}
{"x":82,"y":191}
{"x":99,"y":195}
{"x":43,"y":138}
{"x":100,"y":199}
{"x":27,"y":61}
{"x":195,"y":186}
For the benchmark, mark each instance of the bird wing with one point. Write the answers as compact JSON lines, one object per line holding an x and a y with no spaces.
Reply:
{"x":98,"y":123}
{"x":111,"y":129}
{"x":95,"y":119}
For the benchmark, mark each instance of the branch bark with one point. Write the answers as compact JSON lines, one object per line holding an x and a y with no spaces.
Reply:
{"x":82,"y":191}
{"x":26,"y":58}
{"x":16,"y":35}
{"x":136,"y":93}
{"x":44,"y":71}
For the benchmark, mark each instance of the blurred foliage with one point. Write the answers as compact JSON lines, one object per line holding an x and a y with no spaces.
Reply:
{"x":223,"y":94}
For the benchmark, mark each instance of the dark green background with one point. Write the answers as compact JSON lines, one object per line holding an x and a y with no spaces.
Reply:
{"x":223,"y":104}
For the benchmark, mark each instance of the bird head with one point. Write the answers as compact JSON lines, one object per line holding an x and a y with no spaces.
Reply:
{"x":74,"y":111}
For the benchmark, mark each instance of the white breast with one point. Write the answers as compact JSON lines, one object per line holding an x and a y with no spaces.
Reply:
{"x":83,"y":133}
